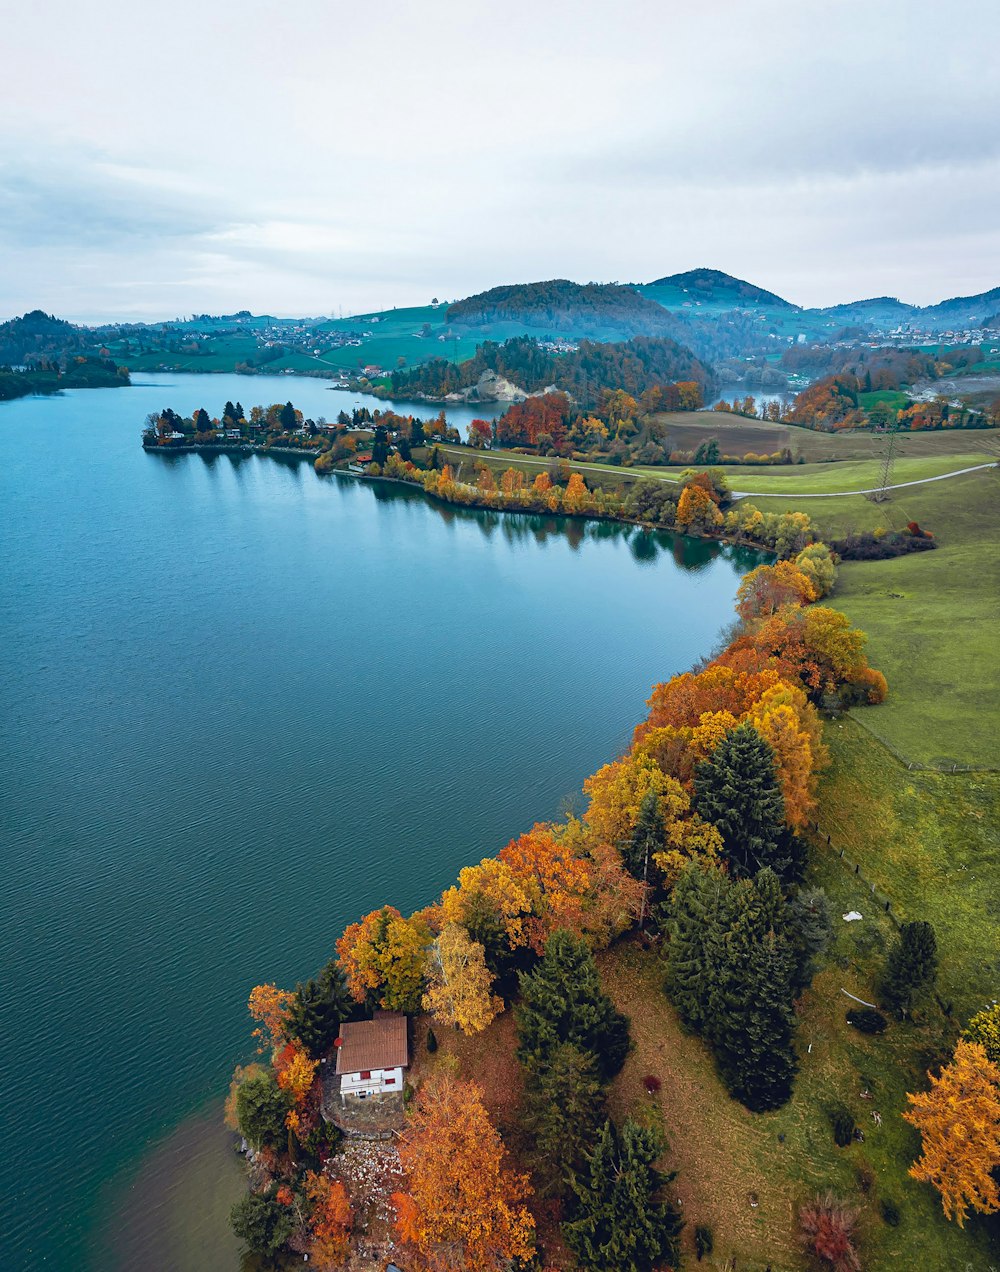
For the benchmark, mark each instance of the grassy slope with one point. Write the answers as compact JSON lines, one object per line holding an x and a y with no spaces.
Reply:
{"x":931,"y":618}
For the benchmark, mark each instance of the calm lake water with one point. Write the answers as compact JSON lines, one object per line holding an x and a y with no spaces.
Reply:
{"x":241,"y":705}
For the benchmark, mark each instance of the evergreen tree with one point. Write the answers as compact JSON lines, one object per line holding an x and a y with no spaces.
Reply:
{"x":287,"y":418}
{"x":618,"y":1220}
{"x":380,"y":445}
{"x":700,"y":916}
{"x":562,"y":1001}
{"x":229,"y":413}
{"x":810,"y":930}
{"x":911,"y":965}
{"x":261,"y":1109}
{"x":262,"y":1223}
{"x":318,"y":1010}
{"x":737,"y":790}
{"x":239,"y":412}
{"x":564,"y":1106}
{"x":752,"y":1024}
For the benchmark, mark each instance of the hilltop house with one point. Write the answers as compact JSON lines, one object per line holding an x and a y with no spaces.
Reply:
{"x":371,"y":1056}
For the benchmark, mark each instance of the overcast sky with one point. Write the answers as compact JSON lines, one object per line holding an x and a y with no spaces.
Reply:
{"x":312,"y":156}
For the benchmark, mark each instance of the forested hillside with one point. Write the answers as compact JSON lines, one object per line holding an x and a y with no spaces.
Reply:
{"x":634,"y":365}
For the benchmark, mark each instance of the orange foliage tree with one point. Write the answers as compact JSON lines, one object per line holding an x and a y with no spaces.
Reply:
{"x":555,"y":880}
{"x":269,"y":1006}
{"x":462,"y":1207}
{"x":330,"y":1222}
{"x":769,"y":587}
{"x":384,"y":958}
{"x":959,"y":1124}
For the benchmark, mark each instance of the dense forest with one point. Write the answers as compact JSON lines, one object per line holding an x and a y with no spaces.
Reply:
{"x":633,"y":365}
{"x":584,"y":308}
{"x":39,"y":335}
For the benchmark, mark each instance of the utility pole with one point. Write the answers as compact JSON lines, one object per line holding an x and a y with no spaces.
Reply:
{"x":889,"y":431}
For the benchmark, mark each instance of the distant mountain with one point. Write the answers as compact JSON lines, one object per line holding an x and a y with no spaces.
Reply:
{"x":720,"y":290}
{"x":600,"y":310}
{"x":961,"y":311}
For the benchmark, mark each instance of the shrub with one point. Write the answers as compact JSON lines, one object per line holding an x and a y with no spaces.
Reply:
{"x":432,"y":1042}
{"x":865,"y":1177}
{"x":890,"y":1212}
{"x":651,"y":1083}
{"x":827,"y":1229}
{"x":867,"y":1020}
{"x":703,"y":1243}
{"x":842,"y":1121}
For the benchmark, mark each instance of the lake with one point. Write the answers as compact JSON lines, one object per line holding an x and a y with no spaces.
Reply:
{"x":241,"y":705}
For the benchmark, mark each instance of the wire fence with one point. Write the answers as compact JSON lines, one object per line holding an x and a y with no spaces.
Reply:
{"x":882,"y":899}
{"x":915,"y":765}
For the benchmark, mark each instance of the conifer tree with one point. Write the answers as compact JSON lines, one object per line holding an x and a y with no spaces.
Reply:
{"x":564,"y":1107}
{"x":618,"y":1219}
{"x":562,"y":1001}
{"x":700,"y":916}
{"x":752,"y":1023}
{"x":810,"y":930}
{"x":910,"y":966}
{"x":318,"y":1009}
{"x":737,"y":790}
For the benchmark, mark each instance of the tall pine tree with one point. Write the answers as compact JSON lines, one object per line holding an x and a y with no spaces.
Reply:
{"x":700,"y":916}
{"x":736,"y":789}
{"x":318,"y":1009}
{"x":911,"y":965}
{"x":562,"y":1001}
{"x":752,"y":1025}
{"x":564,"y":1108}
{"x":618,"y":1220}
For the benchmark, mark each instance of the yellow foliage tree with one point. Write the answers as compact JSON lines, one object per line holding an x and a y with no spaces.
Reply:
{"x":460,"y":986}
{"x":959,"y":1124}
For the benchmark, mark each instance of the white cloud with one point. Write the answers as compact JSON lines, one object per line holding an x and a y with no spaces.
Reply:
{"x":321,"y":154}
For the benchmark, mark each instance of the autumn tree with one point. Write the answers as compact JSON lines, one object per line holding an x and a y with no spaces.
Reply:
{"x":493,"y":906}
{"x":618,"y":1219}
{"x":770,"y":587}
{"x":460,"y":986}
{"x":480,"y":434}
{"x":737,"y":790}
{"x":697,"y":510}
{"x":269,"y":1006}
{"x":330,"y":1222}
{"x":959,"y":1124}
{"x":817,"y":564}
{"x":562,"y":1001}
{"x":984,"y":1028}
{"x":461,"y":1206}
{"x":553,"y":877}
{"x":384,"y":958}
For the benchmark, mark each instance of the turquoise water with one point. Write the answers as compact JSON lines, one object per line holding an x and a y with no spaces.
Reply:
{"x":241,"y":705}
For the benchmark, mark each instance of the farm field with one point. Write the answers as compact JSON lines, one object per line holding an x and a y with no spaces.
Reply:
{"x":737,"y":435}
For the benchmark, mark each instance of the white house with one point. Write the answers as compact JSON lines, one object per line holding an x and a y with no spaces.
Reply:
{"x":371,"y":1056}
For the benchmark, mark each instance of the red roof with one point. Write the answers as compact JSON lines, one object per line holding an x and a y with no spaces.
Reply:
{"x":373,"y":1044}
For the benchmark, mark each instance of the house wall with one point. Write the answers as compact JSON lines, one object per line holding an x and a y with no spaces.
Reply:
{"x":378,"y":1082}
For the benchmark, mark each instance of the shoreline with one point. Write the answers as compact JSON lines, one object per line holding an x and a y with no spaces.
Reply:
{"x":476,"y":505}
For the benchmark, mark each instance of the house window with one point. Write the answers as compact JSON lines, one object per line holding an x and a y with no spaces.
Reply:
{"x":366,"y":1075}
{"x":388,"y":1081}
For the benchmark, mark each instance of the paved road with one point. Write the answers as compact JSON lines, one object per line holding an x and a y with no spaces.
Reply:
{"x":464,"y":454}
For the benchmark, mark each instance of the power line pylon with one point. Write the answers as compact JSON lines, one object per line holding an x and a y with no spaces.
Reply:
{"x":890,"y":432}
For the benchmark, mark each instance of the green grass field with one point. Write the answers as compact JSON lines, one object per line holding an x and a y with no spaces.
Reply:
{"x":931,"y":617}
